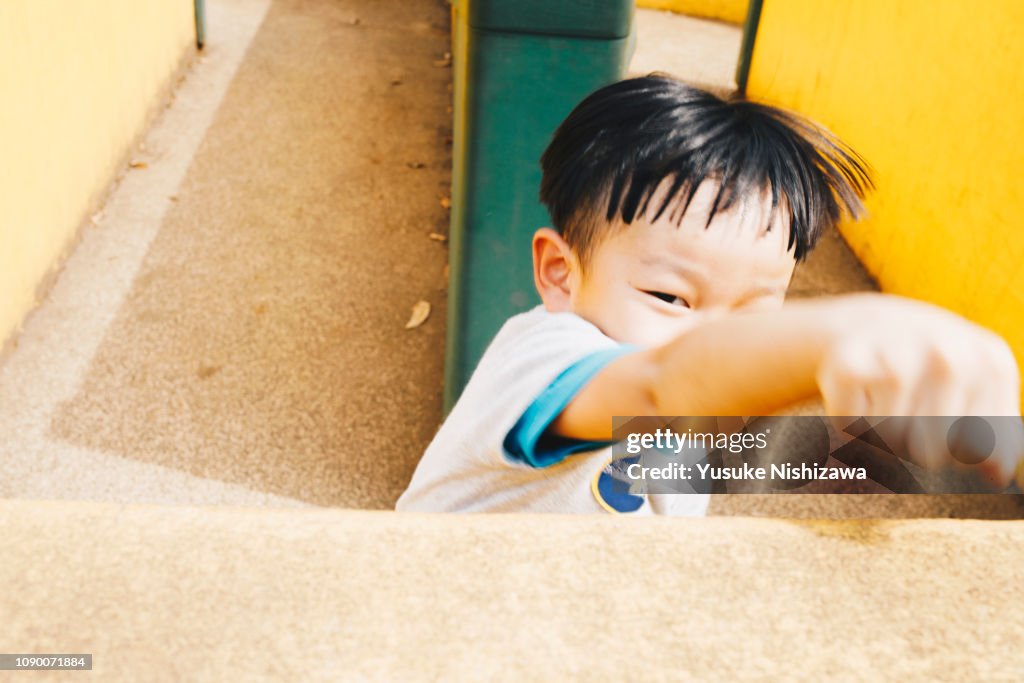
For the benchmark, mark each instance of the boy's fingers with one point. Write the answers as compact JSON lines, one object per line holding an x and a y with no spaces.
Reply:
{"x":1008,"y":453}
{"x":926,"y":441}
{"x":845,"y":381}
{"x":997,"y":439}
{"x":939,"y":407}
{"x":994,"y":446}
{"x":841,"y":397}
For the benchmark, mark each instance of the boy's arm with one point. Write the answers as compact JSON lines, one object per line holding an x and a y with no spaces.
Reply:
{"x":744,"y":364}
{"x":864,"y":354}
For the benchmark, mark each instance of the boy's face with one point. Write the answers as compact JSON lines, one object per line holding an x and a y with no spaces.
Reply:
{"x":653,"y":280}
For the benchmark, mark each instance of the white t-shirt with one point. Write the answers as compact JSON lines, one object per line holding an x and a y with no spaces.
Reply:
{"x":488,"y":455}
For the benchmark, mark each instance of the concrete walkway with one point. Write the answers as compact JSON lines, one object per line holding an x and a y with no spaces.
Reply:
{"x":232,"y":329}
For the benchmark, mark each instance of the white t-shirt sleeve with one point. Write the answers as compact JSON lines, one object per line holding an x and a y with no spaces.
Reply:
{"x":516,"y":373}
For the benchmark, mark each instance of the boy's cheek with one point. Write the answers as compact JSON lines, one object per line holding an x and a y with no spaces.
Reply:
{"x":767,"y":303}
{"x":650,"y":329}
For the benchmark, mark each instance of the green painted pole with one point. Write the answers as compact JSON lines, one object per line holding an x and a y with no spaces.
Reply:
{"x":520,"y":68}
{"x":200,"y":11}
{"x":747,"y":45}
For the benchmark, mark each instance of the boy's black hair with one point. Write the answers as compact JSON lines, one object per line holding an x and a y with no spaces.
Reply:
{"x":621,"y":142}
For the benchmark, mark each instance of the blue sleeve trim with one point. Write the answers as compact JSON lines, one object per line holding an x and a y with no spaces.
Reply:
{"x":526,"y":441}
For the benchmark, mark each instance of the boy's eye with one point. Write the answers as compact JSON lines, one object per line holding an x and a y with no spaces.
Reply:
{"x":670,"y":299}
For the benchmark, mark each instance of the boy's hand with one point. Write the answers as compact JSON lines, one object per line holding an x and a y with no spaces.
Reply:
{"x":894,"y":356}
{"x":897,"y":357}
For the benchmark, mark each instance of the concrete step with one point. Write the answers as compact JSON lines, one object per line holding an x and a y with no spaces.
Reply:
{"x":218,"y":593}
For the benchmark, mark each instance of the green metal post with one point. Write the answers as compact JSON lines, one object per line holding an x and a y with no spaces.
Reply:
{"x":747,"y":46}
{"x":200,"y":10}
{"x":520,"y":68}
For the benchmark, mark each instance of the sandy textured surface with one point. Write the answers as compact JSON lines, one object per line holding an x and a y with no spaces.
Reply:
{"x":214,"y":594}
{"x":60,"y":339}
{"x":261,"y":340}
{"x":702,"y":52}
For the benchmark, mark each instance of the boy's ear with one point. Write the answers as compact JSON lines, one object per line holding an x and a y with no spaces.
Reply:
{"x":552,"y":270}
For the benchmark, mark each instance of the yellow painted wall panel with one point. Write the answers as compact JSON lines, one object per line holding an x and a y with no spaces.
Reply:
{"x":931,"y":93}
{"x":77,"y":83}
{"x":731,"y":11}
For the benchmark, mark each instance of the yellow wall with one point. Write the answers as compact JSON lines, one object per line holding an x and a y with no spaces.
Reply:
{"x":931,"y":93}
{"x":77,"y":81}
{"x":732,"y":11}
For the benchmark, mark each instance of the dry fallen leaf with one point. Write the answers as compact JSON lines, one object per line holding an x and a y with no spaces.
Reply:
{"x":446,"y":202}
{"x":207,"y":371}
{"x":438,"y":237}
{"x":420,"y":312}
{"x":138,"y":164}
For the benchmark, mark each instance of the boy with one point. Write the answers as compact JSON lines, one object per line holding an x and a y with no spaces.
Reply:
{"x":678,"y":220}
